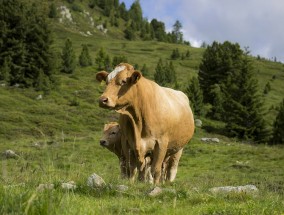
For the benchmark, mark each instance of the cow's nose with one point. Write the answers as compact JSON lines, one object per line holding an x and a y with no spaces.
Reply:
{"x":103,"y":100}
{"x":102,"y":142}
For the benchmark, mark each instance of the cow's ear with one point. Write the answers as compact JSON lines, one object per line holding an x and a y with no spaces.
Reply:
{"x":101,"y":76}
{"x":135,"y":77}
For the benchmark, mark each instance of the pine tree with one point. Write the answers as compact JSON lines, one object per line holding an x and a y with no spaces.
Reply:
{"x":158,"y":29}
{"x":187,"y":54}
{"x":217,"y":110}
{"x":39,"y":52}
{"x":135,"y":13}
{"x":68,"y":57}
{"x":119,"y":59}
{"x":195,"y":96}
{"x":177,"y":33}
{"x":175,"y":54}
{"x":144,"y":70}
{"x":5,"y":70}
{"x":243,"y":104}
{"x":123,"y":13}
{"x":278,"y":131}
{"x":170,"y":73}
{"x":267,"y":88}
{"x":85,"y":58}
{"x":159,"y":75}
{"x":52,"y":11}
{"x":129,"y":33}
{"x":218,"y":61}
{"x":103,"y":60}
{"x":26,"y":40}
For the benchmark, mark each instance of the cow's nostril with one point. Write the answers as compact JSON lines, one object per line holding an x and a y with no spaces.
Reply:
{"x":103,"y":100}
{"x":102,"y":142}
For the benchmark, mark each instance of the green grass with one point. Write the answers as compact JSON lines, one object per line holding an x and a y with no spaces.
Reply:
{"x":202,"y":167}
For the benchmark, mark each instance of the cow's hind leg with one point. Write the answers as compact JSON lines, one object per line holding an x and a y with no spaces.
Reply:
{"x":172,"y":166}
{"x":159,"y":154}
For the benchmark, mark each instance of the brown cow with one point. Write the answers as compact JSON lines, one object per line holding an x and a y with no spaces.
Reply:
{"x":161,"y":117}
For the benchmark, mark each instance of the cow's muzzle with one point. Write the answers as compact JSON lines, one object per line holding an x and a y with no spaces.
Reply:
{"x":103,"y":143}
{"x":103,"y":102}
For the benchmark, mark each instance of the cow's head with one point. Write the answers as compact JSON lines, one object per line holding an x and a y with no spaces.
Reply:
{"x":119,"y":83}
{"x":111,"y":136}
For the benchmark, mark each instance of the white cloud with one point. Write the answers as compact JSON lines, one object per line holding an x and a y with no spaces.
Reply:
{"x":253,"y":23}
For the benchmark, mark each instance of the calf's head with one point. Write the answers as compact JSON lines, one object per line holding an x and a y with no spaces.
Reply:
{"x":111,"y":136}
{"x":119,"y":86}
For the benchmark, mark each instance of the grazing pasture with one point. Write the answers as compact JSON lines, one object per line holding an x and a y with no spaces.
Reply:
{"x":202,"y":166}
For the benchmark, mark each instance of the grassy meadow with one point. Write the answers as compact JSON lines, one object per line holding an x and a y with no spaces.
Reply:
{"x":57,"y":138}
{"x":202,"y":166}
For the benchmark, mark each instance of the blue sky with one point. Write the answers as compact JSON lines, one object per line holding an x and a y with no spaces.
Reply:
{"x":257,"y":24}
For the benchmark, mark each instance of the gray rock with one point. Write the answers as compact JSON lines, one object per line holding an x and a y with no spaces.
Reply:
{"x":198,"y":123}
{"x":42,"y":187}
{"x":95,"y":181}
{"x":155,"y":192}
{"x":237,"y":189}
{"x":71,"y":185}
{"x":121,"y":187}
{"x":210,"y":140}
{"x":10,"y":154}
{"x":39,"y":97}
{"x":215,"y":140}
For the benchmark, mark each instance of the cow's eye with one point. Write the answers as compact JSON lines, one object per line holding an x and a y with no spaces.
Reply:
{"x":123,"y":82}
{"x":113,"y":133}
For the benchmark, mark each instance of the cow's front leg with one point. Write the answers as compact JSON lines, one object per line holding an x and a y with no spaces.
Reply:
{"x":145,"y":171}
{"x":124,"y":171}
{"x":159,"y":154}
{"x":132,"y":165}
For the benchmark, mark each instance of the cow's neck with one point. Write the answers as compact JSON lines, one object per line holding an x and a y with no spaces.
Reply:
{"x":140,"y":107}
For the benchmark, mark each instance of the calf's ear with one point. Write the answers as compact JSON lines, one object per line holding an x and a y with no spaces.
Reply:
{"x":101,"y":76}
{"x":135,"y":77}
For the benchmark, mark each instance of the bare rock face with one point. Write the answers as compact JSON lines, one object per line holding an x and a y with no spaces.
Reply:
{"x":95,"y":181}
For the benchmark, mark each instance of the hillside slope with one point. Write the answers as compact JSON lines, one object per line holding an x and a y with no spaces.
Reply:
{"x":72,"y":108}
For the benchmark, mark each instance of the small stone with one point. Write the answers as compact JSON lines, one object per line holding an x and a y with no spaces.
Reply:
{"x":155,"y":192}
{"x":95,"y":181}
{"x":215,"y":140}
{"x":10,"y":154}
{"x":198,"y":123}
{"x":208,"y":140}
{"x":39,"y":97}
{"x":71,"y":185}
{"x":237,"y":189}
{"x":121,"y":187}
{"x":43,"y":187}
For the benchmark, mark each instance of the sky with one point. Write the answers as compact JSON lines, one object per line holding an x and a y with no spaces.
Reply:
{"x":256,"y":24}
